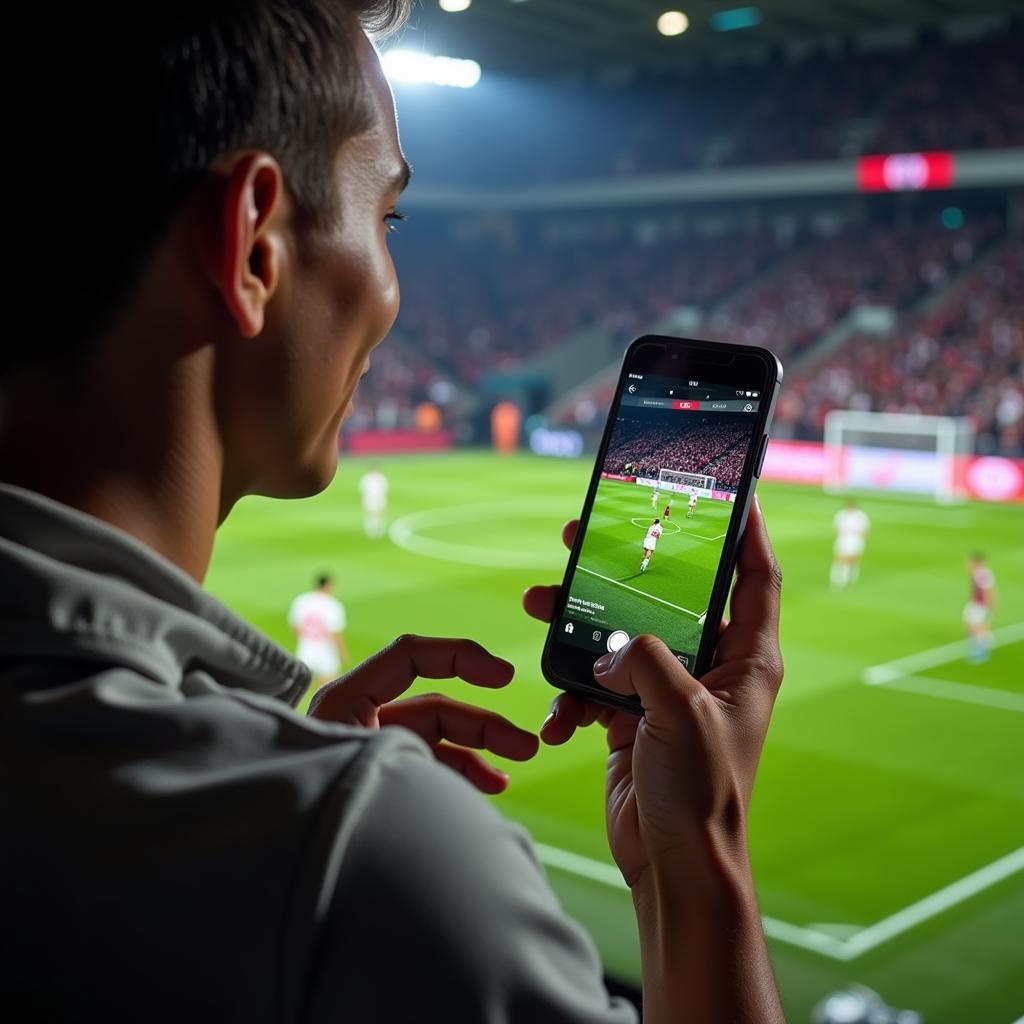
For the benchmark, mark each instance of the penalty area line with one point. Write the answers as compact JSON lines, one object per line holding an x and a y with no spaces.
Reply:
{"x":642,"y":593}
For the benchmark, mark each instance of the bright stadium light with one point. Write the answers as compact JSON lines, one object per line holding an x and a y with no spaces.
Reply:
{"x":414,"y":67}
{"x":454,"y":6}
{"x":673,"y":23}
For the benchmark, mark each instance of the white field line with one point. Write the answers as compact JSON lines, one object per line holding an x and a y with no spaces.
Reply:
{"x":933,"y":905}
{"x":405,"y":533}
{"x":645,"y":523}
{"x":607,"y":874}
{"x":861,"y":941}
{"x":964,"y":693}
{"x":642,"y":593}
{"x":879,"y":675}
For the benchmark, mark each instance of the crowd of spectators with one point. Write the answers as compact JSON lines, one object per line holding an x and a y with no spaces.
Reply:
{"x":684,"y":444}
{"x":964,"y":357}
{"x":876,"y":266}
{"x":475,"y":308}
{"x":970,"y":96}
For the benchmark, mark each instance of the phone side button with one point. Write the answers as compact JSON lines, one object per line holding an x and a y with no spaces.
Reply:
{"x":760,"y":456}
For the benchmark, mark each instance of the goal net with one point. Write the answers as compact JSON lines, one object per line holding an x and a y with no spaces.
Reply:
{"x":685,"y":483}
{"x":900,"y":452}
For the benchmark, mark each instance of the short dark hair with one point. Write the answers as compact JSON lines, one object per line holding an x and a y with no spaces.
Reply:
{"x":323,"y":580}
{"x":131,"y":106}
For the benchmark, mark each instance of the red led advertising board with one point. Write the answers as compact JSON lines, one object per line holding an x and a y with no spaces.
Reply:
{"x":905,"y":172}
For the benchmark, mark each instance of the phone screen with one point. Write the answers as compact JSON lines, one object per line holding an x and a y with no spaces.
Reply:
{"x":667,"y":491}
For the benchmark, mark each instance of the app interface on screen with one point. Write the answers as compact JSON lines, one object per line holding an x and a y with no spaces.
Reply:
{"x":661,"y":513}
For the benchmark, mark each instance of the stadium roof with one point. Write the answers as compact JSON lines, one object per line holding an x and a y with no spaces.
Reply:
{"x":547,"y":36}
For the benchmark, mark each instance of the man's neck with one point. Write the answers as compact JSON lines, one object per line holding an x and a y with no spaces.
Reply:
{"x":150,"y":465}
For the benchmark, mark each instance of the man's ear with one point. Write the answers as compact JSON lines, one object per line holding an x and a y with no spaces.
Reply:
{"x":246,"y":264}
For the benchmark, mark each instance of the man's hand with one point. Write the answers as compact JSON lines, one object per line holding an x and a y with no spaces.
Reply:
{"x":366,"y":696}
{"x":681,"y":776}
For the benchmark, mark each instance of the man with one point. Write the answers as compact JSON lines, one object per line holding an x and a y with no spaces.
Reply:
{"x":668,"y":510}
{"x":692,"y":505}
{"x":654,"y":531}
{"x":201,"y":248}
{"x":851,"y":526}
{"x":978,"y":610}
{"x":318,"y":619}
{"x":373,"y":487}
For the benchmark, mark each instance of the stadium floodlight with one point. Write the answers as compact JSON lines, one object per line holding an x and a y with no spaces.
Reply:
{"x":454,"y":6}
{"x":411,"y":66}
{"x":898,"y":452}
{"x":673,"y":23}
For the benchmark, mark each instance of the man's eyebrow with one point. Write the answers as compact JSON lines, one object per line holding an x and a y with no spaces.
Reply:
{"x":401,"y":180}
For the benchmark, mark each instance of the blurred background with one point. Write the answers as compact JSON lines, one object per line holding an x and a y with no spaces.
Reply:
{"x":843,"y":183}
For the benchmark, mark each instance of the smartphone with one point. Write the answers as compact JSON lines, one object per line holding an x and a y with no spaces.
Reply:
{"x":666,"y":507}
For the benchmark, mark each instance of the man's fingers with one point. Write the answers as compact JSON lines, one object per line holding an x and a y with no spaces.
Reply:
{"x":390,"y":673}
{"x":646,"y":668}
{"x":753,"y":630}
{"x":435,"y":718}
{"x":539,"y":602}
{"x":569,"y":712}
{"x":569,"y":532}
{"x":477,"y":771}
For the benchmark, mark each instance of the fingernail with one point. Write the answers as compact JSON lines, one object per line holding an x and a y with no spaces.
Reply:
{"x":603,"y":663}
{"x":552,"y":715}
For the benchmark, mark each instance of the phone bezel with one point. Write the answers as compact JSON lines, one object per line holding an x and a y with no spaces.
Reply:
{"x":570,"y":668}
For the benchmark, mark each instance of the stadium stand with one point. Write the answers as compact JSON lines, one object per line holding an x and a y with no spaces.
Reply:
{"x":473,"y":308}
{"x":830,"y":103}
{"x":963,"y":357}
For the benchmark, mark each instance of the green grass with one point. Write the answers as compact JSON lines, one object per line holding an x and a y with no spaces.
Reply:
{"x":869,"y":798}
{"x":670,"y":598}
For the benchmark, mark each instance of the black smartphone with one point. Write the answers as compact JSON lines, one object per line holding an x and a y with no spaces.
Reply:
{"x":666,"y":507}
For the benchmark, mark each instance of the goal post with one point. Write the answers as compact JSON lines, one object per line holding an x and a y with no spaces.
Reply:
{"x":906,"y":453}
{"x":685,"y":483}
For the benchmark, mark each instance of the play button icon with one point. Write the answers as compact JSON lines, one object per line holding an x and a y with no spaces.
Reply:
{"x":617,"y":640}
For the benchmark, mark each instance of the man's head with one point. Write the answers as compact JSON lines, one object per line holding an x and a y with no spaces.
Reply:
{"x":207,"y":210}
{"x":975,"y":560}
{"x":324,"y":583}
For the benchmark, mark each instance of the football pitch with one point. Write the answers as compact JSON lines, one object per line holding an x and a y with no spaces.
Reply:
{"x":887,"y":826}
{"x":670,"y":598}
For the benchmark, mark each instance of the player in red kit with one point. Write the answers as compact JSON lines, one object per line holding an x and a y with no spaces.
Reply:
{"x":668,"y":511}
{"x":978,"y":611}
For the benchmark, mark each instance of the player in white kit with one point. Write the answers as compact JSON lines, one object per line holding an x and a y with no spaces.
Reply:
{"x":978,"y":611}
{"x":851,"y":526}
{"x":318,"y":619}
{"x":654,"y":498}
{"x":654,"y":531}
{"x":373,"y":486}
{"x":692,"y":507}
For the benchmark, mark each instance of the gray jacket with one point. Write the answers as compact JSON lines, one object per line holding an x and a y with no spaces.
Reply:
{"x":179,"y":845}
